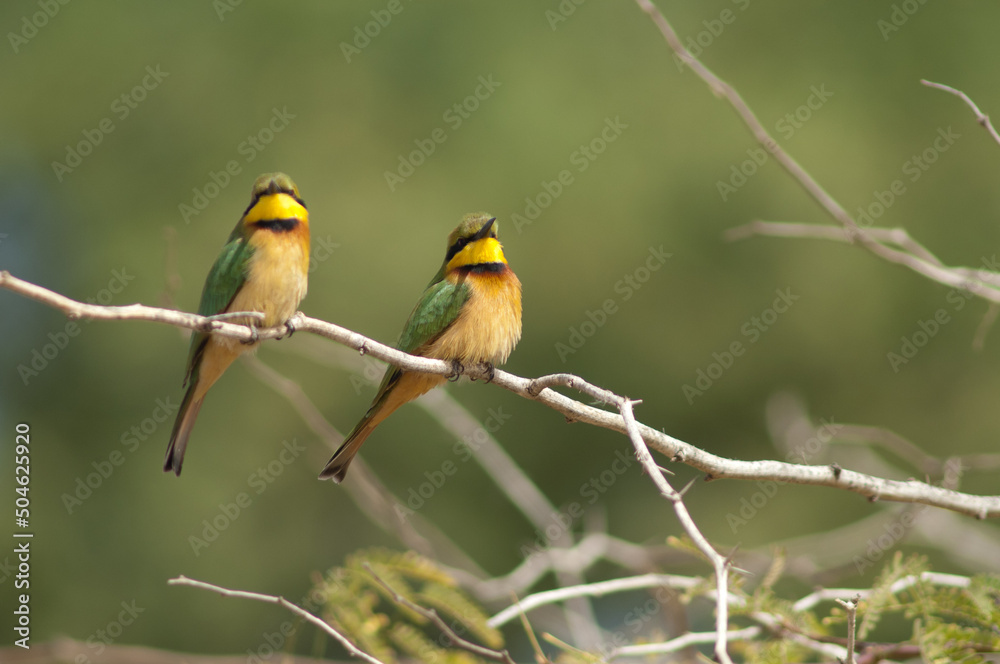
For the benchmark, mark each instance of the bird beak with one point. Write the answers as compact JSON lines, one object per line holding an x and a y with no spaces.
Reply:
{"x":484,"y":231}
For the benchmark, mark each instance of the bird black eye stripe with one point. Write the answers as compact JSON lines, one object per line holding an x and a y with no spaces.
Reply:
{"x":278,"y":225}
{"x":457,"y":247}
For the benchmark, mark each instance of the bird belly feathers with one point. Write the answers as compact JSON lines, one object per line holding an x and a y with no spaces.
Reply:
{"x":489,"y":325}
{"x":277,"y":279}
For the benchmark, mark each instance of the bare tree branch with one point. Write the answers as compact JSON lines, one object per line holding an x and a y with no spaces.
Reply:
{"x":982,"y":282}
{"x":719,"y":562}
{"x":922,"y":262}
{"x":432,"y":615}
{"x":592,"y":548}
{"x":874,"y":488}
{"x":981,"y":117}
{"x":598,"y":589}
{"x":681,"y":642}
{"x":512,"y":481}
{"x":851,"y":606}
{"x":367,"y":491}
{"x":833,"y":594}
{"x":280,"y":601}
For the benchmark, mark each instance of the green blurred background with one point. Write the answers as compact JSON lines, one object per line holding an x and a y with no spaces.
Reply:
{"x":350,"y":119}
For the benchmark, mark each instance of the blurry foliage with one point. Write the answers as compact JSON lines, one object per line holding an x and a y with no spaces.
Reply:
{"x":366,"y":613}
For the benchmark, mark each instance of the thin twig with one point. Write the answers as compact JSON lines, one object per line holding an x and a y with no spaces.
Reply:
{"x":919,"y":263}
{"x":897,"y":236}
{"x":981,"y":282}
{"x":440,"y":623}
{"x":981,"y":117}
{"x":593,"y":548}
{"x":681,"y":642}
{"x":280,"y":601}
{"x":875,"y":488}
{"x":851,"y":606}
{"x":593,"y":590}
{"x":937,"y":578}
{"x":985,"y":325}
{"x":719,"y":562}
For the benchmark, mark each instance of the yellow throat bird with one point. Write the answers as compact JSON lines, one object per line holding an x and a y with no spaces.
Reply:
{"x":263,"y":267}
{"x":470,"y":313}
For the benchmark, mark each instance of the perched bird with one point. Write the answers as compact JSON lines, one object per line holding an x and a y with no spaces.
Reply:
{"x":469,"y":313}
{"x":263,"y":267}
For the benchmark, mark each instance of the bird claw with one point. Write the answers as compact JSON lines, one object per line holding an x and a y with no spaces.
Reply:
{"x":490,"y":370}
{"x":456,"y":371}
{"x":254,"y":337}
{"x":289,"y":329}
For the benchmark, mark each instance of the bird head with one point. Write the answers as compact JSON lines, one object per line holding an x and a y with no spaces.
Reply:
{"x":473,"y":243}
{"x":275,"y":204}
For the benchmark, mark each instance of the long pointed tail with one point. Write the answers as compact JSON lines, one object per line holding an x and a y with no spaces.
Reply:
{"x":183,"y":425}
{"x":336,"y":468}
{"x":406,"y":388}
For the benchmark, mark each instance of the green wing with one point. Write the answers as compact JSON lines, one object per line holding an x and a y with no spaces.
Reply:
{"x":225,"y":279}
{"x":438,"y":308}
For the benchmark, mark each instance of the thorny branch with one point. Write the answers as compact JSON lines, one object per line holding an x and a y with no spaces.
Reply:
{"x":719,"y":562}
{"x":715,"y":467}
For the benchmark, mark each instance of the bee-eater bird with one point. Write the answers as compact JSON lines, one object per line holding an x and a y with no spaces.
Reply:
{"x":263,"y":267}
{"x":469,"y":313}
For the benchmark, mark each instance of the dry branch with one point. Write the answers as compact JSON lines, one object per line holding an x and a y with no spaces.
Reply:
{"x":541,"y":390}
{"x":280,"y":601}
{"x":921,"y":262}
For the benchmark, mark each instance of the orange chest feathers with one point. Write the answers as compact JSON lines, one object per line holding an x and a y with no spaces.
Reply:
{"x":277,"y":276}
{"x":489,"y":325}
